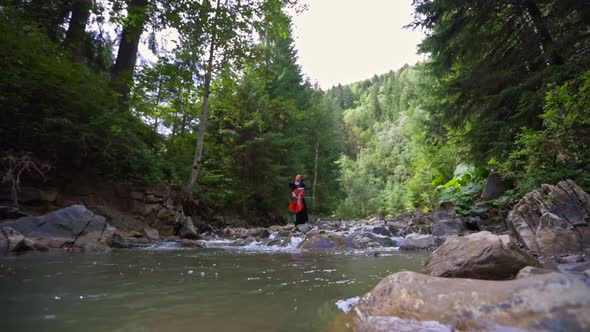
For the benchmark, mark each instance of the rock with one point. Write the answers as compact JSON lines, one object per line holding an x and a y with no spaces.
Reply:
{"x":574,"y":268}
{"x":367,"y":240}
{"x":304,"y":228}
{"x":74,"y":226}
{"x":151,"y":234}
{"x":382,"y":230}
{"x":481,"y":255}
{"x":122,"y":241}
{"x":445,"y":212}
{"x":448,"y":227}
{"x":418,"y":241}
{"x":553,"y":212}
{"x":556,"y":236}
{"x":205,"y":228}
{"x":323,"y":241}
{"x":541,"y":302}
{"x":389,"y":324}
{"x":570,"y":259}
{"x":187,"y":230}
{"x":193,"y":243}
{"x":495,"y":187}
{"x":530,"y":271}
{"x":16,"y":241}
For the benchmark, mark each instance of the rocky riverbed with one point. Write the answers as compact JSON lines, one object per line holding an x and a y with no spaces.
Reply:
{"x":483,"y":273}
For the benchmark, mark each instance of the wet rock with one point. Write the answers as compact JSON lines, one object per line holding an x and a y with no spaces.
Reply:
{"x":530,"y":271}
{"x":382,"y":230}
{"x":481,"y":255}
{"x":539,"y":302}
{"x":187,"y":230}
{"x":323,"y":241}
{"x":304,"y":228}
{"x":574,"y":268}
{"x":244,"y":242}
{"x":74,"y":226}
{"x":417,"y":241}
{"x":570,"y":259}
{"x":193,"y":243}
{"x":389,"y":324}
{"x":123,"y":241}
{"x":367,"y":240}
{"x":560,"y":213}
{"x":151,"y":234}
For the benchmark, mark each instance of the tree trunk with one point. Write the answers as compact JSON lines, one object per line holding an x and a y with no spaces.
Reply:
{"x":75,"y":36}
{"x":315,"y":174}
{"x":202,"y":120}
{"x":543,"y":33}
{"x":122,"y":73}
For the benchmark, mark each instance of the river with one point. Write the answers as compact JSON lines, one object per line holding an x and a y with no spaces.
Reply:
{"x":173,"y":289}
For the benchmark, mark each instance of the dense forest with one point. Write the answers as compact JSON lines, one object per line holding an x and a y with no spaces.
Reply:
{"x":224,"y":114}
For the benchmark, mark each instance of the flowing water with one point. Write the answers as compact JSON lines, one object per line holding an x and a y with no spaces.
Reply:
{"x":214,"y":289}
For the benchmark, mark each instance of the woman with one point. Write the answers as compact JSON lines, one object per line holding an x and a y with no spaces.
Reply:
{"x":301,"y":216}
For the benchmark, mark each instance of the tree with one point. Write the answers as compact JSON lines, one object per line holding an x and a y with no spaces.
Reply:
{"x":122,"y":72}
{"x":75,"y":36}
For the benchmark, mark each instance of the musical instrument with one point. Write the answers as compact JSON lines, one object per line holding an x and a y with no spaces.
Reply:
{"x":296,"y":204}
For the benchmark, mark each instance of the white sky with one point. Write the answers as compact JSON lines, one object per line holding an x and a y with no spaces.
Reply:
{"x":344,"y":41}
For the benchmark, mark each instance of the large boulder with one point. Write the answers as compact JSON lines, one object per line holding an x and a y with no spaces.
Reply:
{"x":417,"y":241}
{"x":481,"y":255}
{"x":187,"y":230}
{"x":553,"y":220}
{"x":547,"y":302}
{"x":74,"y":226}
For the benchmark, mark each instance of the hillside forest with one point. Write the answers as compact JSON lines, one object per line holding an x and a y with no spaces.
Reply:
{"x":221,"y":111}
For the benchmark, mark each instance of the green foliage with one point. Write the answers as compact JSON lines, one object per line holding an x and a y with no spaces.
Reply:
{"x":464,"y":188}
{"x":62,"y":112}
{"x":560,"y":150}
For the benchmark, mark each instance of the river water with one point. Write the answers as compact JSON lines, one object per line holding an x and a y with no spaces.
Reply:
{"x":173,"y":289}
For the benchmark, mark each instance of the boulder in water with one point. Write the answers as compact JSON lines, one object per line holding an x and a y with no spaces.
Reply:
{"x":481,"y":255}
{"x":323,"y":241}
{"x":187,"y":230}
{"x":541,"y":302}
{"x":74,"y":226}
{"x":417,"y":241}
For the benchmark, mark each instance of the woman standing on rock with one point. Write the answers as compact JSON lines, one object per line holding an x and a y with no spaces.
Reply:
{"x":297,"y":190}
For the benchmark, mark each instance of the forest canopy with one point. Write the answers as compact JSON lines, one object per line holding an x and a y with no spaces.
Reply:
{"x":224,"y":113}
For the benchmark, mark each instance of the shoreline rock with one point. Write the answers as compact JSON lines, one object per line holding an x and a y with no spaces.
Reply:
{"x":481,"y":255}
{"x":535,"y":302}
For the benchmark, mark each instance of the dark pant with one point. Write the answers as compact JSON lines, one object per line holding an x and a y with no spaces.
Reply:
{"x":301,"y":216}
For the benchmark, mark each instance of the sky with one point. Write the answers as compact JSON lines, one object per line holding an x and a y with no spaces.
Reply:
{"x":344,"y":41}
